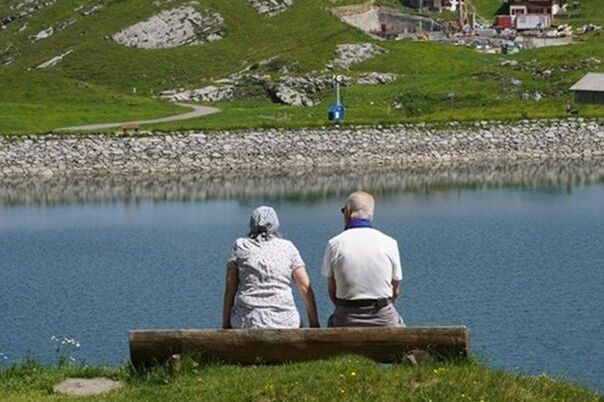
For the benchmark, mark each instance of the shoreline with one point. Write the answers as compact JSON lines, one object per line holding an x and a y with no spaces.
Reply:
{"x":304,"y":184}
{"x":283,"y":149}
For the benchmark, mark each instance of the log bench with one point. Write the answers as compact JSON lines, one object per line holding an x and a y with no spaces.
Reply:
{"x":275,"y":346}
{"x":130,"y":127}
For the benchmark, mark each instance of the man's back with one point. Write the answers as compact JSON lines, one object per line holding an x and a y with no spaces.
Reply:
{"x":364,"y":262}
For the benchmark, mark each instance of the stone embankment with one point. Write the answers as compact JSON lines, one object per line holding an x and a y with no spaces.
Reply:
{"x":285,"y":149}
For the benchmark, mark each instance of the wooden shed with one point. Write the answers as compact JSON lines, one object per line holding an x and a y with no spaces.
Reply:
{"x":590,"y":89}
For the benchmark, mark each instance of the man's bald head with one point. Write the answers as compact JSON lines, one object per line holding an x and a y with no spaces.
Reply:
{"x":360,"y":205}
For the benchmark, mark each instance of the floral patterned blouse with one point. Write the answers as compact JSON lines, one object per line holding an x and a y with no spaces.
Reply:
{"x":264,"y":298}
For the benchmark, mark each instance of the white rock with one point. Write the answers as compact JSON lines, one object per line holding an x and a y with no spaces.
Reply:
{"x":55,"y":60}
{"x":172,"y":28}
{"x":350,"y":54}
{"x":86,"y":387}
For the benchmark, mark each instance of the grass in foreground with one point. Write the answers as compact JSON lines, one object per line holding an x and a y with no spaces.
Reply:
{"x":343,"y":379}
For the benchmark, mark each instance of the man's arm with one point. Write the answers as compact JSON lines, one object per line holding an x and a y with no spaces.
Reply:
{"x":396,"y":290}
{"x":331,"y":288}
{"x":231,"y":283}
{"x":303,"y":282}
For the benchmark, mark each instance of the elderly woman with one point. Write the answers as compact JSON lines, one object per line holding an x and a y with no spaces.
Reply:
{"x":259,"y":274}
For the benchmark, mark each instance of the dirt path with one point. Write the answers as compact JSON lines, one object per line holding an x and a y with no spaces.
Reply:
{"x":198,"y":111}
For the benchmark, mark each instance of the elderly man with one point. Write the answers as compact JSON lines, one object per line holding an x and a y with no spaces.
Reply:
{"x":363,"y":269}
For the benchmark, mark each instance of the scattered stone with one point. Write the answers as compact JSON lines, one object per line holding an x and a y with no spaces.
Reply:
{"x":92,"y":10}
{"x":350,"y":54}
{"x":23,"y":10}
{"x":271,"y":6}
{"x":509,"y":63}
{"x":374,"y":78}
{"x":86,"y":387}
{"x":55,"y":60}
{"x":43,"y":34}
{"x":172,"y":28}
{"x":592,"y":62}
{"x":516,"y":82}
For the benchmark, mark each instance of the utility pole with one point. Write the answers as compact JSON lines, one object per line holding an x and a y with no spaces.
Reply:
{"x":421,"y":21}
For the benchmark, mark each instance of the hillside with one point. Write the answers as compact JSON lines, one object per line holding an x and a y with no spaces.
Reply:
{"x":100,"y":80}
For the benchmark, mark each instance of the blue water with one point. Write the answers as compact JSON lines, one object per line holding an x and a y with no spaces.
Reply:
{"x":524,"y":269}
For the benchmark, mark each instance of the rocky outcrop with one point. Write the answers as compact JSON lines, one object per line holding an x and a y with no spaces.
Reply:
{"x":271,"y":6}
{"x":172,"y":28}
{"x":282,"y":93}
{"x":303,"y":90}
{"x":209,"y":93}
{"x":355,"y":53}
{"x":374,"y":78}
{"x":575,"y":139}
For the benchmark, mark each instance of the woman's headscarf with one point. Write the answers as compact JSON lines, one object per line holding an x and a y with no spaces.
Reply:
{"x":264,"y":223}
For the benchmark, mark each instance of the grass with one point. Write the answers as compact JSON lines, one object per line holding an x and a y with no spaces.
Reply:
{"x":96,"y":82}
{"x":344,"y":379}
{"x":39,"y":101}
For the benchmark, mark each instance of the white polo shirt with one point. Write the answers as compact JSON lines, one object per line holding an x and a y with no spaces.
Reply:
{"x":364,"y":261}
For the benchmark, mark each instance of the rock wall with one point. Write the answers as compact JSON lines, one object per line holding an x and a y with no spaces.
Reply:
{"x":374,"y":19}
{"x":269,"y":149}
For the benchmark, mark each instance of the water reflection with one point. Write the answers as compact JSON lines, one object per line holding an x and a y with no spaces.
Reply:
{"x":299,"y":185}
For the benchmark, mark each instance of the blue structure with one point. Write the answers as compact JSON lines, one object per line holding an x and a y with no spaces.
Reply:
{"x":336,"y":112}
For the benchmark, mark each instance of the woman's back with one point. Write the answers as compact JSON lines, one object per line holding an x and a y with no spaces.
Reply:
{"x":259,"y":275}
{"x":265,"y":272}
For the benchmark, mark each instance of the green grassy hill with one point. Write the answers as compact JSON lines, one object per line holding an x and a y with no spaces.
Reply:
{"x":102,"y":81}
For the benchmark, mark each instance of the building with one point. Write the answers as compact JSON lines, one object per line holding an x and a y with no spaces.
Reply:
{"x":542,"y":7}
{"x":434,"y":5}
{"x":590,"y":89}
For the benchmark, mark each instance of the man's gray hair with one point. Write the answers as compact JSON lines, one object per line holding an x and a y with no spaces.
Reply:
{"x":360,"y":205}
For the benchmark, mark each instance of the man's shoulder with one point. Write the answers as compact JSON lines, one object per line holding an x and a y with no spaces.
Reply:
{"x":385,"y":237}
{"x":361,"y":233}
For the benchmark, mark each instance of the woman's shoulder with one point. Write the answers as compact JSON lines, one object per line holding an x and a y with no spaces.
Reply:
{"x":284,"y":243}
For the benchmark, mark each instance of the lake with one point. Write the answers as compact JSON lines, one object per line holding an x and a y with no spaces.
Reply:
{"x":515,"y":253}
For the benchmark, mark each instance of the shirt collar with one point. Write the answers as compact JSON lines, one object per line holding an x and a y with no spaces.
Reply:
{"x":359,"y":223}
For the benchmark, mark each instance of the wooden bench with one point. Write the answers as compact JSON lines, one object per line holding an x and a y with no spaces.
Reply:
{"x":130,"y":127}
{"x":274,"y":346}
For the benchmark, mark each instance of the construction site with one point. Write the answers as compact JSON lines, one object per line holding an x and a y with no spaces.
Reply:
{"x":522,"y":24}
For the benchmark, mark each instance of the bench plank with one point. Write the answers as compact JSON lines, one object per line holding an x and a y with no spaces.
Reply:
{"x":274,"y":346}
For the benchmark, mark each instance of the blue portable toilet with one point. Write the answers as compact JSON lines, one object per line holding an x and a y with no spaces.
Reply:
{"x":336,"y":112}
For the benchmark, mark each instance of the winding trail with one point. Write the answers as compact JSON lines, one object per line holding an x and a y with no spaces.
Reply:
{"x":198,"y":111}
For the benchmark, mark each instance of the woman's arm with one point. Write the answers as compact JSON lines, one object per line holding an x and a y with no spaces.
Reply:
{"x":231,"y":283}
{"x":303,"y":282}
